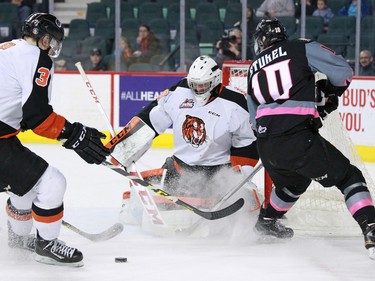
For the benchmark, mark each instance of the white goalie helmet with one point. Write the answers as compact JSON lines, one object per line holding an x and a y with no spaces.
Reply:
{"x":204,"y":75}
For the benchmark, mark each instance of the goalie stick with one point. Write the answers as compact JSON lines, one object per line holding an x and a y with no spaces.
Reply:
{"x":209,"y":215}
{"x":229,"y":194}
{"x":107,"y":234}
{"x":143,"y":193}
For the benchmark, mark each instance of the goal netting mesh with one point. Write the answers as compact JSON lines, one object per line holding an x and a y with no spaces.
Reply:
{"x":319,"y":211}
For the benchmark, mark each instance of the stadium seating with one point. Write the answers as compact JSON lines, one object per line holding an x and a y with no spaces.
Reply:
{"x":79,"y":29}
{"x":126,"y":10}
{"x":367,"y":42}
{"x":206,"y":11}
{"x":149,"y":11}
{"x":336,"y":5}
{"x":161,"y":30}
{"x":314,"y":27}
{"x":233,"y":14}
{"x":93,"y":42}
{"x":290,"y":24}
{"x":211,"y":31}
{"x":95,"y":11}
{"x":129,"y":29}
{"x":336,"y":42}
{"x":173,"y":14}
{"x":342,"y":25}
{"x":6,"y":32}
{"x":9,"y":17}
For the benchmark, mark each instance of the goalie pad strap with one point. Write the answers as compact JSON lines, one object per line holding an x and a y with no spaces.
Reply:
{"x":152,"y":173}
{"x":243,"y":161}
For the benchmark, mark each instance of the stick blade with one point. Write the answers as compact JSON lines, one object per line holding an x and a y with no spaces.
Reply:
{"x":109,"y":233}
{"x":231,"y":209}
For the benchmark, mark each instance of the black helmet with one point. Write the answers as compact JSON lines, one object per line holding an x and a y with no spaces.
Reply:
{"x":268,"y":32}
{"x":38,"y":25}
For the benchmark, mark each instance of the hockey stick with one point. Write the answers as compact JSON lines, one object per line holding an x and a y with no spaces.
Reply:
{"x":209,"y":215}
{"x":95,"y":98}
{"x":144,"y":195}
{"x":107,"y":234}
{"x":229,"y":194}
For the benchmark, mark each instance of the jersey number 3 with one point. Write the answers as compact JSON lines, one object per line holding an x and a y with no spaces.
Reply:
{"x":42,"y":80}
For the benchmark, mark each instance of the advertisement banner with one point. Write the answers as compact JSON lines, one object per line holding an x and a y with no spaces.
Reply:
{"x":138,"y":91}
{"x":357,"y":111}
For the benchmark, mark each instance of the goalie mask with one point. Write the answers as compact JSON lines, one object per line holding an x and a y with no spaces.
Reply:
{"x":38,"y":25}
{"x":204,"y":75}
{"x":267,"y":33}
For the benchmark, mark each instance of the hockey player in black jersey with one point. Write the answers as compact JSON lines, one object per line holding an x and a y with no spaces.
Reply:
{"x":292,"y":84}
{"x":36,"y":188}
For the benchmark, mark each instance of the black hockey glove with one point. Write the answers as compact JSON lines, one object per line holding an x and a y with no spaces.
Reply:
{"x":321,"y":82}
{"x":86,"y":142}
{"x":331,"y":105}
{"x":324,"y":88}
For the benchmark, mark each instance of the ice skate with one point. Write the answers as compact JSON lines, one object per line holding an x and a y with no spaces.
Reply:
{"x":272,"y":227}
{"x":369,"y":235}
{"x":25,"y":242}
{"x":56,"y":252}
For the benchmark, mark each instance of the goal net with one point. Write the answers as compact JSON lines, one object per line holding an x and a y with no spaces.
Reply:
{"x":319,"y":211}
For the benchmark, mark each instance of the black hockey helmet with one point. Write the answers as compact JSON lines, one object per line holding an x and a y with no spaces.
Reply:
{"x":268,"y":32}
{"x":38,"y":25}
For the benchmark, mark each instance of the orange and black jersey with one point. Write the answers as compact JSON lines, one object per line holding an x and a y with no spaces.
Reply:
{"x":25,"y":91}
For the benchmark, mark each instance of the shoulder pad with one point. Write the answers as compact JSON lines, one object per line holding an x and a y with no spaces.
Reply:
{"x":163,"y":94}
{"x":234,"y":96}
{"x":182,"y":83}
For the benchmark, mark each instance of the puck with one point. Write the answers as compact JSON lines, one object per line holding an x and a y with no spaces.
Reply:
{"x":121,"y":260}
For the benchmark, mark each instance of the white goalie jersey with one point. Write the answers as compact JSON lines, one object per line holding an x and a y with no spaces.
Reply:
{"x":203,"y":135}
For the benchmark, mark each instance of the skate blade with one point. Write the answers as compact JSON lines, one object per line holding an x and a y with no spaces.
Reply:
{"x":50,"y":261}
{"x":371,"y":253}
{"x":269,"y":239}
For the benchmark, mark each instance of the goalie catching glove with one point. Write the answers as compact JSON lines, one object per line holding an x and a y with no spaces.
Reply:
{"x":85,"y":141}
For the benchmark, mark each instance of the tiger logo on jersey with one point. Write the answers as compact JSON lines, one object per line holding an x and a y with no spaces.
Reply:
{"x":194,"y":131}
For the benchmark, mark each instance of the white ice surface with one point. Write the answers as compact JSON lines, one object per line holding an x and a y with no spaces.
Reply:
{"x":93,"y":202}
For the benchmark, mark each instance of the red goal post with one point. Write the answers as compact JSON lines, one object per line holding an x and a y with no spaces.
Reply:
{"x":234,"y":73}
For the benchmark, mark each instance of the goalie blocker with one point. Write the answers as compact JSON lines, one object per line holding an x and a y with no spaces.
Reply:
{"x":138,"y":136}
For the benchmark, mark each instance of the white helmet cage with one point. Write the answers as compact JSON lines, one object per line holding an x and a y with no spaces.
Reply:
{"x":204,"y":75}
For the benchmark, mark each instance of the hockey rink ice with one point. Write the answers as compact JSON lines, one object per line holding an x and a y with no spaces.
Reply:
{"x":93,"y":202}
